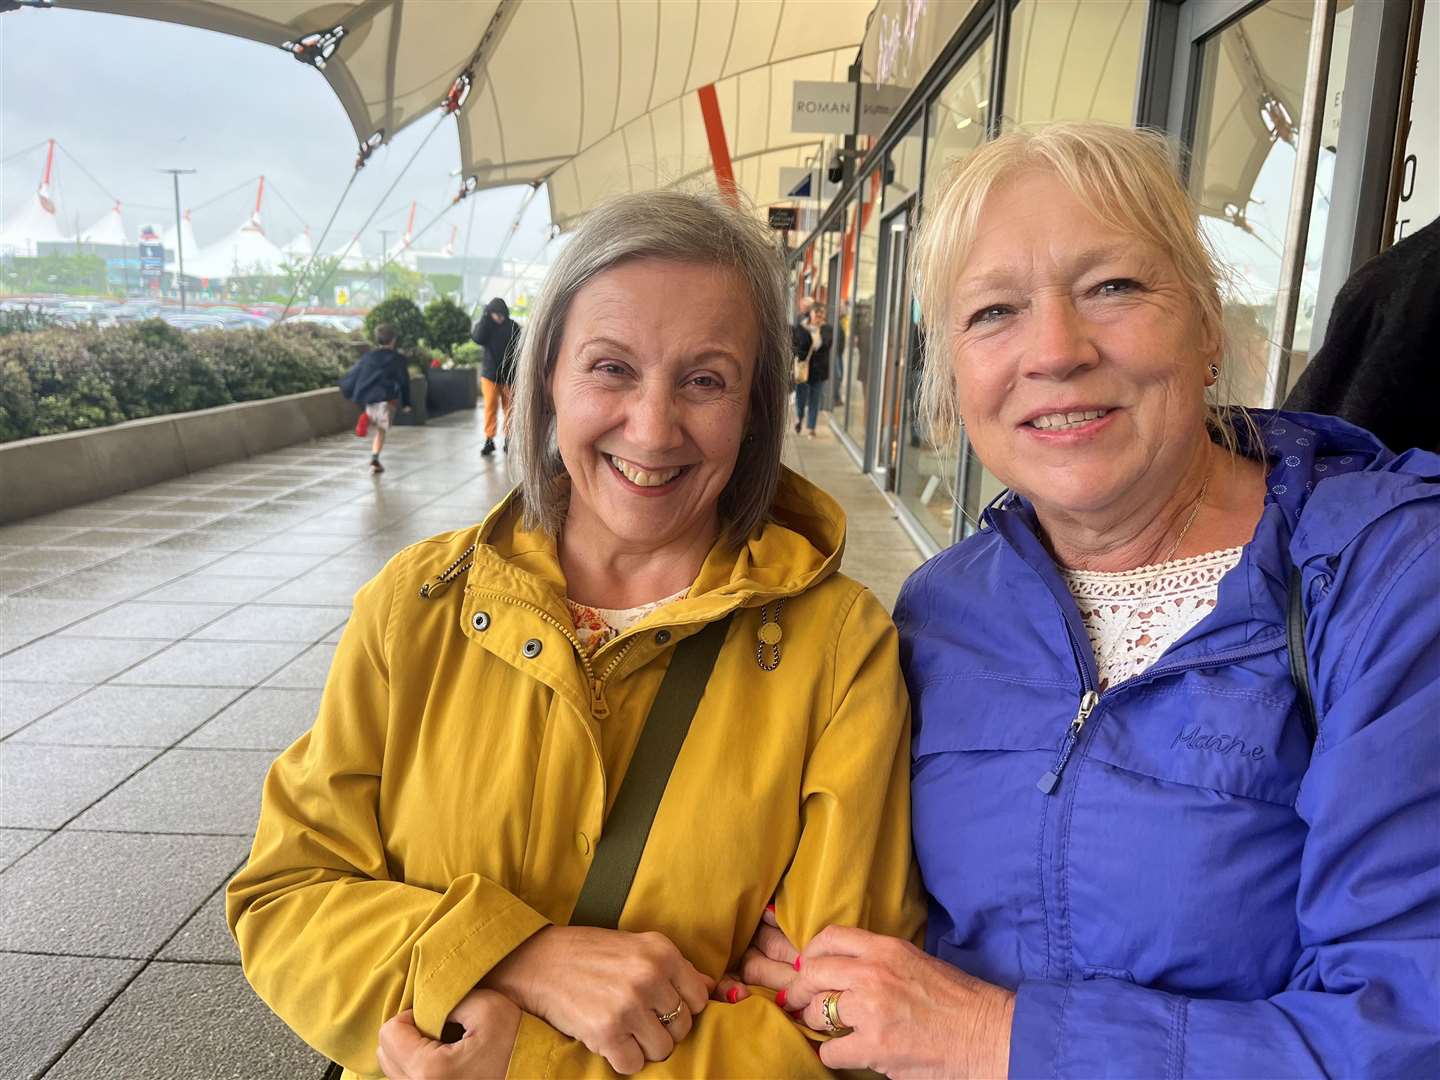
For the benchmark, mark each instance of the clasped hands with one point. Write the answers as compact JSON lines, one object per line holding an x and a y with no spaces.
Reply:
{"x":607,"y":988}
{"x":907,"y":1014}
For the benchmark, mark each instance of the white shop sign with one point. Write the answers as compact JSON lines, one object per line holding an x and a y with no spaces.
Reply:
{"x":823,"y":107}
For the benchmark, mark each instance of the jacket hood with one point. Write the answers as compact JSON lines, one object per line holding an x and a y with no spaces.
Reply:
{"x":800,"y":544}
{"x":497,"y":306}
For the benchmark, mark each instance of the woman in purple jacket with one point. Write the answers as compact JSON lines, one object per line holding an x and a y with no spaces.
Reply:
{"x":1143,"y":859}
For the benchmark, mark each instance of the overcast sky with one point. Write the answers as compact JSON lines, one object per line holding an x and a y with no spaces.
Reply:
{"x":127,"y":96}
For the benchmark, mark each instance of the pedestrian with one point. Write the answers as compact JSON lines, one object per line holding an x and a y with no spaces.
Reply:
{"x":380,"y":381}
{"x":500,"y":335}
{"x":811,"y":338}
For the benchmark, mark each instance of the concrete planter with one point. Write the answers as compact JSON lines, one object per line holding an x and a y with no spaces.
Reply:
{"x":453,"y":390}
{"x":52,"y":472}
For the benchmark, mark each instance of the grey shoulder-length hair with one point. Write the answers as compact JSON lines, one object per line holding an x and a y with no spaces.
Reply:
{"x":691,"y":227}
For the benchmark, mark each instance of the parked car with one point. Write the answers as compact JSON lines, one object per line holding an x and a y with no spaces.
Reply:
{"x":188,"y":320}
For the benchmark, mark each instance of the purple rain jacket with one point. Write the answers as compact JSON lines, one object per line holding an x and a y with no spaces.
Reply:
{"x":1199,"y":893}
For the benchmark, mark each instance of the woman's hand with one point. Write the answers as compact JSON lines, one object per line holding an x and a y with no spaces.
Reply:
{"x":607,"y":988}
{"x":489,"y":1020}
{"x":911,"y":1015}
{"x":768,"y":962}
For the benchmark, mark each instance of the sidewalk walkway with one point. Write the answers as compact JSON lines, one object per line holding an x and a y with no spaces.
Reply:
{"x":157,"y":650}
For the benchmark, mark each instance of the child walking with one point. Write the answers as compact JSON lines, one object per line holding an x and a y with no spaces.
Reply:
{"x":379,"y":381}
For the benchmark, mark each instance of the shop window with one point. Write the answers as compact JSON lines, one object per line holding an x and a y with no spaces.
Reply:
{"x":1419,"y":202}
{"x":1243,"y":159}
{"x":862,"y":238}
{"x":1073,"y":60}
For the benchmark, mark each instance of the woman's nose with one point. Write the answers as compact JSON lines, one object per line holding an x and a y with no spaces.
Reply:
{"x":654,"y":421}
{"x":1060,"y":343}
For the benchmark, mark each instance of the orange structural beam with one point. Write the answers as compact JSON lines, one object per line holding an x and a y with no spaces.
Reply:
{"x":719,"y":147}
{"x":853,"y":234}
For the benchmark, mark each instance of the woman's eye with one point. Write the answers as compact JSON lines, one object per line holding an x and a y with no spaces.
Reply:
{"x":706,"y":382}
{"x":1118,"y":287}
{"x":989,"y":314}
{"x":610,"y":367}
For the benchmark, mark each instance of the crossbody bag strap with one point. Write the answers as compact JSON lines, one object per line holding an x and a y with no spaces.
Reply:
{"x":1295,"y":640}
{"x":617,"y":854}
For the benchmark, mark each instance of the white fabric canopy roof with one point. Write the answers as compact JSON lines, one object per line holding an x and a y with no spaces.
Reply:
{"x":110,"y":229}
{"x":31,"y":225}
{"x":245,"y":252}
{"x":595,"y":96}
{"x":187,"y":234}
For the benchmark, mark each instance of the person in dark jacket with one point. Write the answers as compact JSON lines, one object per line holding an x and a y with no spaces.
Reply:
{"x":1379,"y":365}
{"x":1175,"y":777}
{"x":500,"y":336}
{"x":380,"y":381}
{"x":811,"y":338}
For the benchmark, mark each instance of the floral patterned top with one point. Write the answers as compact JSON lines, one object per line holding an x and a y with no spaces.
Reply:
{"x":595,"y":626}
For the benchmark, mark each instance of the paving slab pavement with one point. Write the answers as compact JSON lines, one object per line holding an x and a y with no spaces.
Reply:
{"x":157,"y":649}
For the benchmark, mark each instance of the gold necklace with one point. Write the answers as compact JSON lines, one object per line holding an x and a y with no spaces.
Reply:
{"x":1107,"y":653}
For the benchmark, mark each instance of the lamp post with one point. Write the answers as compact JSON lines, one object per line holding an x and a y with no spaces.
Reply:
{"x":179,"y":237}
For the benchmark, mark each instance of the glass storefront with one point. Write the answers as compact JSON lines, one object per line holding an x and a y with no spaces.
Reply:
{"x":1228,"y":78}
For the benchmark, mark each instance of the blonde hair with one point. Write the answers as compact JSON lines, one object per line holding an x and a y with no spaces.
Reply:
{"x":691,"y":227}
{"x":1128,"y":177}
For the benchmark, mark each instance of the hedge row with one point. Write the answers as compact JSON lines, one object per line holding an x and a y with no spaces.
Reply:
{"x":65,"y":378}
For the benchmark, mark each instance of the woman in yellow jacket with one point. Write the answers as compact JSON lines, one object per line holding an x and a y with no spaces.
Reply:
{"x":421,"y":850}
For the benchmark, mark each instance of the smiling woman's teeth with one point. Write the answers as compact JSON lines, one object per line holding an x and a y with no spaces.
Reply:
{"x":641,"y":477}
{"x":1060,"y":421}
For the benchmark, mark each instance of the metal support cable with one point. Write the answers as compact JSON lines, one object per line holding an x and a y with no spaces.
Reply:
{"x":86,"y":172}
{"x":274,"y":190}
{"x":225,"y":194}
{"x":319,"y":244}
{"x":427,"y":227}
{"x":22,"y":153}
{"x":379,"y":203}
{"x":515,"y":281}
{"x":510,"y":235}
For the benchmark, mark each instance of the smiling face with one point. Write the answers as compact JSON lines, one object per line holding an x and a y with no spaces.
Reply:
{"x":651,"y":389}
{"x":1079,"y":357}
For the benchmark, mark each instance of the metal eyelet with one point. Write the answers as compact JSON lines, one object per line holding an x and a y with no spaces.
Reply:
{"x":662,"y":637}
{"x":532,"y":648}
{"x":480,"y":620}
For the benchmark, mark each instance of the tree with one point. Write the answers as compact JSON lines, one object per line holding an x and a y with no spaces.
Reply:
{"x":401,"y":313}
{"x":446,"y":324}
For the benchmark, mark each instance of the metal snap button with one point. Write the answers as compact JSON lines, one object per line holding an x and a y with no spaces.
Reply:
{"x":662,"y":637}
{"x":480,"y":620}
{"x":532,"y":648}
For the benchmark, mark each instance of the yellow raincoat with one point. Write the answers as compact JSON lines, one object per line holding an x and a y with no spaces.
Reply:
{"x":446,"y":804}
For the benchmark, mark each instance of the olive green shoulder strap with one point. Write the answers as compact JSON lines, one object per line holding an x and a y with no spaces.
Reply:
{"x":617,"y":855}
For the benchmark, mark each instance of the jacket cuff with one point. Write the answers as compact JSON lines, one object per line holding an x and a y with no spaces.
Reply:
{"x":469,"y":960}
{"x":1035,"y":1028}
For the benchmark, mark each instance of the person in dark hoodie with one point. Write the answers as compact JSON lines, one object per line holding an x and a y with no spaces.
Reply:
{"x":380,"y":381}
{"x":500,"y":335}
{"x":1378,"y":366}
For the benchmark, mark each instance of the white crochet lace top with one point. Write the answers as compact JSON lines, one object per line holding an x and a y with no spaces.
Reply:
{"x":1133,"y":616}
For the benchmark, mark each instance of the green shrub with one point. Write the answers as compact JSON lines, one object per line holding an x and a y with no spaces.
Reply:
{"x":17,"y":399}
{"x":23,"y":320}
{"x":66,"y":378}
{"x":446,"y":324}
{"x":468,"y":355}
{"x":401,"y":313}
{"x":70,"y":390}
{"x":152,"y":369}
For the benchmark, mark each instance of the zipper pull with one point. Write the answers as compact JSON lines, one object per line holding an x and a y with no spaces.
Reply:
{"x":598,"y":708}
{"x":1087,"y":704}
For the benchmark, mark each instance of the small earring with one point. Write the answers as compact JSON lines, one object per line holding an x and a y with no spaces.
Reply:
{"x":1214,"y":374}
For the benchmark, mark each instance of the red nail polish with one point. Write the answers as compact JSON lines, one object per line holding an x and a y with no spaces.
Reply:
{"x":732,"y":995}
{"x":780,"y":999}
{"x":797,"y":963}
{"x":769,"y":907}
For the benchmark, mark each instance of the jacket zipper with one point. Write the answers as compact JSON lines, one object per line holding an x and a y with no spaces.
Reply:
{"x":1089,"y":698}
{"x":598,"y":706}
{"x":1047,"y":782}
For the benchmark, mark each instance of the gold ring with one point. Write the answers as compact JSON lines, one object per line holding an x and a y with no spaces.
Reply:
{"x":669,"y":1018}
{"x":830,"y":1009}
